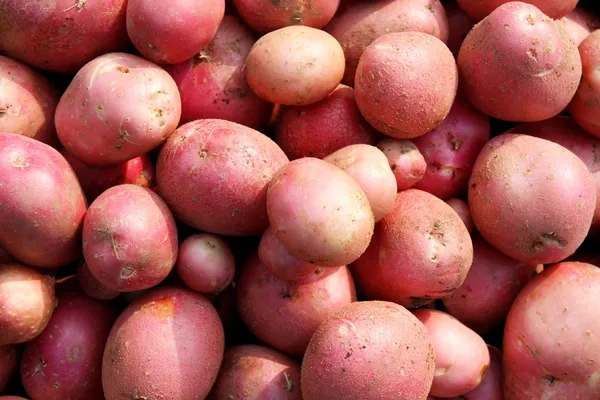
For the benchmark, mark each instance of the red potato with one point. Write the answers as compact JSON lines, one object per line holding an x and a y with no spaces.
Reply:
{"x":537,"y":208}
{"x":65,"y":361}
{"x":459,"y":25}
{"x":383,"y":86}
{"x":368,"y":350}
{"x":214,"y":175}
{"x":129,"y":238}
{"x":330,"y":227}
{"x":43,"y":205}
{"x":550,"y":345}
{"x":462,"y":209}
{"x":420,"y":252}
{"x":295,"y":65}
{"x":27,"y":302}
{"x":279,"y":261}
{"x":118,"y":107}
{"x":213,"y":84}
{"x":579,"y":23}
{"x":181,"y":357}
{"x":257,"y":372}
{"x":285,"y":314}
{"x":406,"y":161}
{"x":12,"y":398}
{"x":205,"y":263}
{"x":519,"y":65}
{"x":319,"y":129}
{"x":9,"y":362}
{"x":92,"y":286}
{"x":358,"y":23}
{"x":552,"y":8}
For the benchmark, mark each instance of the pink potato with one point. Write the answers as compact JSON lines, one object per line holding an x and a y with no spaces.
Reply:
{"x":43,"y":205}
{"x":285,"y":314}
{"x":420,"y":252}
{"x":519,"y":65}
{"x":295,"y":65}
{"x":459,"y":25}
{"x":319,"y":129}
{"x":462,"y":209}
{"x":425,"y":95}
{"x":214,"y":175}
{"x":168,"y":344}
{"x":319,"y":213}
{"x":257,"y":372}
{"x":205,"y":263}
{"x":579,"y":23}
{"x":368,"y":350}
{"x":358,"y":23}
{"x":129,"y":238}
{"x":9,"y":362}
{"x":27,"y":302}
{"x":552,"y":8}
{"x":92,"y":286}
{"x":279,"y":261}
{"x":118,"y":107}
{"x":406,"y":161}
{"x":174,"y":31}
{"x":537,"y":208}
{"x":65,"y":361}
{"x":550,"y":345}
{"x":212,"y":84}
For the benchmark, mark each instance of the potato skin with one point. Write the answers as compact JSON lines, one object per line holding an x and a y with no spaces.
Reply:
{"x":43,"y":204}
{"x":214,"y":175}
{"x":552,"y":8}
{"x":459,"y":25}
{"x":179,"y":360}
{"x":92,"y":286}
{"x":383,"y":87}
{"x":538,"y":207}
{"x":279,"y":261}
{"x":550,"y":347}
{"x":579,"y":23}
{"x":462,"y":209}
{"x":9,"y":362}
{"x":406,"y":161}
{"x":368,"y":350}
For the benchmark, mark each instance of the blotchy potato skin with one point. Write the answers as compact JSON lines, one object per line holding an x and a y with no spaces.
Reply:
{"x":519,"y":65}
{"x":420,"y":252}
{"x":462,"y":209}
{"x":279,"y":261}
{"x":400,"y":104}
{"x":166,"y":345}
{"x":43,"y":204}
{"x":459,"y":25}
{"x":9,"y":362}
{"x":358,"y":23}
{"x":118,"y":107}
{"x":129,"y":238}
{"x":550,"y":347}
{"x":214,"y":175}
{"x":257,"y":372}
{"x":406,"y":161}
{"x":579,"y":23}
{"x":552,"y":8}
{"x":92,"y":286}
{"x":368,"y":350}
{"x":531,"y":198}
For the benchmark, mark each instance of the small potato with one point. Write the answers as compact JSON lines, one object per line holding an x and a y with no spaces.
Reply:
{"x":92,"y":286}
{"x":9,"y":362}
{"x":579,"y":23}
{"x":462,"y":209}
{"x":406,"y":161}
{"x":552,"y":8}
{"x":459,"y":25}
{"x":279,"y":261}
{"x":295,"y":65}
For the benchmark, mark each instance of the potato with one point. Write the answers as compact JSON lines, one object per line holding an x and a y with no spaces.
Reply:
{"x":368,"y":350}
{"x":61,"y":35}
{"x":214,"y":175}
{"x":319,"y":213}
{"x":168,"y":344}
{"x":42,"y":203}
{"x":459,"y":25}
{"x":118,"y":107}
{"x":462,"y":209}
{"x":9,"y":362}
{"x":129,"y":238}
{"x":358,"y":23}
{"x":383,"y":86}
{"x":538,"y":207}
{"x":295,"y":65}
{"x":420,"y":252}
{"x":406,"y":161}
{"x":27,"y":302}
{"x":65,"y":361}
{"x":279,"y":261}
{"x":550,"y":340}
{"x":12,"y":398}
{"x":319,"y":129}
{"x":285,"y":314}
{"x":579,"y":23}
{"x":257,"y":372}
{"x":531,"y":69}
{"x":553,"y":8}
{"x":5,"y":256}
{"x":213,"y":84}
{"x":92,"y":286}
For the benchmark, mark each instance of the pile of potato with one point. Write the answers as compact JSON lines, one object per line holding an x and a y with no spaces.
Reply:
{"x":299,"y":199}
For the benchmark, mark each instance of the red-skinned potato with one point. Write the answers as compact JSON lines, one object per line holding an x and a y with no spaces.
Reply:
{"x":9,"y":362}
{"x":532,"y":66}
{"x":92,"y":286}
{"x":537,"y":208}
{"x":552,"y":8}
{"x":285,"y":314}
{"x":406,"y":161}
{"x":295,"y":65}
{"x":214,"y":175}
{"x":279,"y":261}
{"x":459,"y":25}
{"x":43,"y":205}
{"x":368,"y":350}
{"x":383,"y":87}
{"x":181,"y":357}
{"x":550,"y":347}
{"x":129,"y":238}
{"x":462,"y":209}
{"x":12,"y":398}
{"x":579,"y":23}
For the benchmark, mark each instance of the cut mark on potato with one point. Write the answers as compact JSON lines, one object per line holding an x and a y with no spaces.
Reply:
{"x":79,"y":4}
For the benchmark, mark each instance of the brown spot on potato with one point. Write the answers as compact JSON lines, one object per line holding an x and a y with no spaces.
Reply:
{"x":123,"y":70}
{"x":550,"y":379}
{"x":163,"y":307}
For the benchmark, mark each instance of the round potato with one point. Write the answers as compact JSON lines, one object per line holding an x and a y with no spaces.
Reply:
{"x":579,"y":23}
{"x":406,"y":161}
